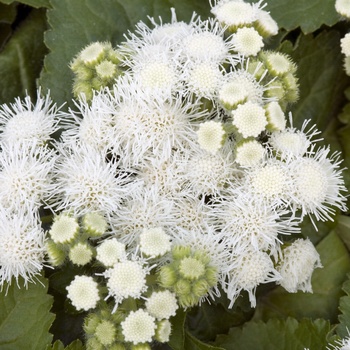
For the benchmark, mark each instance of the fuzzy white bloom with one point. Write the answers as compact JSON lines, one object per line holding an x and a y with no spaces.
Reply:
{"x":247,"y":41}
{"x":299,"y":261}
{"x":163,"y":331}
{"x":345,"y":44}
{"x":249,"y":119}
{"x":91,"y":53}
{"x":80,"y":254}
{"x":250,"y":269}
{"x":126,"y":279}
{"x":22,"y":247}
{"x":64,"y":228}
{"x":94,"y":224}
{"x":162,"y":304}
{"x":342,"y":344}
{"x":249,"y":153}
{"x":343,"y":7}
{"x":203,"y":79}
{"x":24,"y":121}
{"x":292,"y":142}
{"x":25,"y":175}
{"x":83,"y":293}
{"x":279,"y":64}
{"x":211,"y":136}
{"x":318,"y":185}
{"x":234,"y":13}
{"x":85,"y":182}
{"x":110,"y":252}
{"x":154,"y":242}
{"x":138,"y":327}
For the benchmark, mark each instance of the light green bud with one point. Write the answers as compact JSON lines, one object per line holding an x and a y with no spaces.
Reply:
{"x":200,"y":288}
{"x":182,"y":287}
{"x":106,"y":332}
{"x":94,"y":224}
{"x":179,"y":252}
{"x":167,"y":276}
{"x":81,"y":254}
{"x":90,"y":323}
{"x":57,"y":255}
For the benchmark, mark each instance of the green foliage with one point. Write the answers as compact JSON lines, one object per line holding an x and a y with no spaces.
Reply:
{"x":25,"y":316}
{"x":309,"y":15}
{"x":58,"y":345}
{"x":277,"y":334}
{"x":326,"y":284}
{"x":343,"y":328}
{"x":20,"y":60}
{"x":33,"y":3}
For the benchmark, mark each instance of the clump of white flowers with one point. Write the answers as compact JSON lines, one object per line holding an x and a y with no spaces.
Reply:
{"x":177,"y":178}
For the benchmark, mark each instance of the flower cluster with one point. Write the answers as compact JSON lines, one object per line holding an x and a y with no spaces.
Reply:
{"x":177,"y":178}
{"x":342,"y":7}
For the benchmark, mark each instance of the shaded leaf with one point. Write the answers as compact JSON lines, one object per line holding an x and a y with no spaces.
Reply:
{"x":7,"y":16}
{"x":33,"y":3}
{"x":277,"y":334}
{"x":326,"y":284}
{"x":104,"y":20}
{"x":177,"y":337}
{"x":191,"y":343}
{"x":343,"y":229}
{"x":75,"y":345}
{"x":344,"y":307}
{"x":20,"y":60}
{"x":25,"y":317}
{"x":309,"y":15}
{"x":321,"y":77}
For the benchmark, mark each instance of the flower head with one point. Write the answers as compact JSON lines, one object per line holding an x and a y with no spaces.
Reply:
{"x":154,"y":242}
{"x":247,"y":41}
{"x":211,"y":136}
{"x":110,"y":252}
{"x":83,"y":293}
{"x":162,"y":304}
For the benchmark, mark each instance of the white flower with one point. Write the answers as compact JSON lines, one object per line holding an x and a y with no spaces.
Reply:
{"x":211,"y":136}
{"x":83,"y":293}
{"x":250,"y":269}
{"x":154,"y":242}
{"x":279,"y":64}
{"x":249,"y":152}
{"x":138,"y":327}
{"x":318,"y":185}
{"x":94,"y":224}
{"x":64,"y":228}
{"x":343,"y":7}
{"x":25,"y":121}
{"x":345,"y":44}
{"x":297,"y":265}
{"x":22,"y":247}
{"x":275,"y":117}
{"x":25,"y":175}
{"x":341,"y":344}
{"x":85,"y":182}
{"x":163,"y":331}
{"x":162,"y":304}
{"x":234,"y":13}
{"x":80,"y":254}
{"x":292,"y":142}
{"x":247,"y":41}
{"x":265,"y":24}
{"x":92,"y":53}
{"x":110,"y":251}
{"x":249,"y":119}
{"x":126,"y":279}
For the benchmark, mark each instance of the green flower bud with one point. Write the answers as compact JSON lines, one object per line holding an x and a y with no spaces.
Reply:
{"x":94,"y":224}
{"x":106,"y":70}
{"x":200,"y":288}
{"x":191,"y":268}
{"x":211,"y":275}
{"x":117,"y":346}
{"x":80,"y":254}
{"x":188,"y":300}
{"x":94,"y":344}
{"x":82,"y":87}
{"x":90,"y":324}
{"x":105,"y":332}
{"x":167,"y":276}
{"x":144,"y":346}
{"x":57,"y":255}
{"x":163,"y":331}
{"x":179,"y":252}
{"x":182,"y":287}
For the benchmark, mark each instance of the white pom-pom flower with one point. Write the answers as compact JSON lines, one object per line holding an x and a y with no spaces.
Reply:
{"x":154,"y":242}
{"x":249,"y":153}
{"x":139,"y":327}
{"x":22,"y":247}
{"x":265,"y":24}
{"x":275,"y":116}
{"x":345,"y":44}
{"x":162,"y":305}
{"x":247,"y":41}
{"x":83,"y":293}
{"x":211,"y":136}
{"x":249,"y":119}
{"x":64,"y":228}
{"x":110,"y":252}
{"x":299,"y":261}
{"x":343,"y":7}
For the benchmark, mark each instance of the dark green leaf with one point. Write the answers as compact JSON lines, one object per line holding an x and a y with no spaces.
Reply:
{"x":277,"y":334}
{"x":321,"y":77}
{"x":177,"y":337}
{"x":344,"y":307}
{"x":343,"y":229}
{"x":85,"y":21}
{"x":20,"y":61}
{"x":33,"y":3}
{"x":25,"y":317}
{"x":191,"y":343}
{"x":326,"y":283}
{"x":309,"y":15}
{"x":75,"y":345}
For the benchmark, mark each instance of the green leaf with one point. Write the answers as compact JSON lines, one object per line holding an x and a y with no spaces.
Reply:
{"x":343,"y":229}
{"x":92,"y":20}
{"x":75,"y":345}
{"x":191,"y":343}
{"x":277,"y":334}
{"x":321,"y":78}
{"x":309,"y":15}
{"x":20,"y":60}
{"x":7,"y":16}
{"x":344,"y":307}
{"x":33,"y":3}
{"x":25,"y":317}
{"x":177,"y":337}
{"x":326,"y":283}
